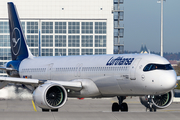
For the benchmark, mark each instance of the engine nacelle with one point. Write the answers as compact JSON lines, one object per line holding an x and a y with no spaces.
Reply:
{"x":159,"y":101}
{"x":50,"y":96}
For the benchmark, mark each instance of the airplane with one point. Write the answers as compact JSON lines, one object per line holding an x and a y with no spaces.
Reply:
{"x":55,"y":78}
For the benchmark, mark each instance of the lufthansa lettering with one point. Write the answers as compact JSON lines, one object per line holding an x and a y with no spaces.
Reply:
{"x":120,"y":61}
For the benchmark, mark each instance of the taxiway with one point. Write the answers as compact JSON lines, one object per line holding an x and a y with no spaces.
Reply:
{"x":87,"y":109}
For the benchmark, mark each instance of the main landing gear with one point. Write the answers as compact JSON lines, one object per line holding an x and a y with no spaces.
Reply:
{"x":120,"y":106}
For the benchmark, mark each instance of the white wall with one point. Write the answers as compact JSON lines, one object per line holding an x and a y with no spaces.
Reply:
{"x":73,"y":9}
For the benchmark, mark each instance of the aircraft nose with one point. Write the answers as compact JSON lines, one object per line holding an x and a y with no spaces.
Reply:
{"x":168,"y":80}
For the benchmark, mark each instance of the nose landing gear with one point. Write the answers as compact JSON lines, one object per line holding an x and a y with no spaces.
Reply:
{"x":151,"y":107}
{"x":120,"y":106}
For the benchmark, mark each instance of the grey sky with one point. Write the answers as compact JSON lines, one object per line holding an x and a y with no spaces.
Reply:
{"x":142,"y":25}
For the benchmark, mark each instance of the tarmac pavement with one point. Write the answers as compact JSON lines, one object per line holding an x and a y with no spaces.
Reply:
{"x":87,"y":109}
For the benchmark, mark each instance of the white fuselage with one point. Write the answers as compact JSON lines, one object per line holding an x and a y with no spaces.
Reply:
{"x":113,"y":74}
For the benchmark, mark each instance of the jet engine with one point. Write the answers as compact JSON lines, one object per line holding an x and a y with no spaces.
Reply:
{"x":159,"y":101}
{"x":50,"y":96}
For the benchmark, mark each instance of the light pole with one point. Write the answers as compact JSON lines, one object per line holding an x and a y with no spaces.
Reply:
{"x":161,"y":1}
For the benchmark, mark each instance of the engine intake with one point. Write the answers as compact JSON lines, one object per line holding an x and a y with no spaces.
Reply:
{"x":50,"y":96}
{"x":163,"y":101}
{"x":159,"y":101}
{"x":55,"y":96}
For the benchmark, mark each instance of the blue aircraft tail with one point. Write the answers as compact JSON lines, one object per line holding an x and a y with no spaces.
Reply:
{"x":19,"y":48}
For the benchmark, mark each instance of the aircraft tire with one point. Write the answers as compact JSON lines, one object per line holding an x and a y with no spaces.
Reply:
{"x":45,"y":110}
{"x":54,"y":110}
{"x":154,"y":108}
{"x":115,"y":107}
{"x":124,"y":107}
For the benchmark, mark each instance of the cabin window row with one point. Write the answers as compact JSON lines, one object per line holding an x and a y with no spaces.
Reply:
{"x":34,"y":70}
{"x":92,"y":69}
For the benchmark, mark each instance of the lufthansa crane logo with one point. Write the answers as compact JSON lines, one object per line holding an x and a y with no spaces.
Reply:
{"x":16,"y":41}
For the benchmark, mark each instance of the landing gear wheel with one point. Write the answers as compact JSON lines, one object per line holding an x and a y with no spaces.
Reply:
{"x":152,"y":109}
{"x":124,"y":107}
{"x":120,"y":106}
{"x":45,"y":110}
{"x":54,"y":110}
{"x":115,"y":107}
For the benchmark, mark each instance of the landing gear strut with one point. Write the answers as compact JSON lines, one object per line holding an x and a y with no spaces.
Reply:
{"x":151,"y":107}
{"x":120,"y":106}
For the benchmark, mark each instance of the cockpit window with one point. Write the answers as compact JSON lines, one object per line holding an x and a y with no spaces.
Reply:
{"x":150,"y":67}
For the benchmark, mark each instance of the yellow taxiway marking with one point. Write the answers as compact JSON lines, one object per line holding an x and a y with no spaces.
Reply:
{"x":34,"y":106}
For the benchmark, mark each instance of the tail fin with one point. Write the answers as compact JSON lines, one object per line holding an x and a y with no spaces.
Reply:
{"x":19,"y":49}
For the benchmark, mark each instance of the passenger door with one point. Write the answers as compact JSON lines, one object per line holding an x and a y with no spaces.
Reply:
{"x":133,"y":68}
{"x":49,"y":70}
{"x":78,"y":70}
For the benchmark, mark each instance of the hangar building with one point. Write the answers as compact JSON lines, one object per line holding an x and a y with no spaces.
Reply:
{"x":61,"y":27}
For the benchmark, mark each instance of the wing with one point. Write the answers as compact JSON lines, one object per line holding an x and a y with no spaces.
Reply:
{"x":73,"y":85}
